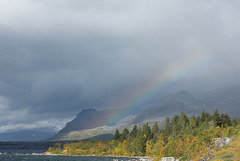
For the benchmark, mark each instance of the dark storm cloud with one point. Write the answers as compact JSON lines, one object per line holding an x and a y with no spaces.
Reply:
{"x":59,"y":56}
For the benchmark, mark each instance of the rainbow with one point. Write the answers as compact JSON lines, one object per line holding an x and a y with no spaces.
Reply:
{"x":174,"y":73}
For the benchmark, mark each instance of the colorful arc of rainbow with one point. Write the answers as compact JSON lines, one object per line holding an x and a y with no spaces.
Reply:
{"x":173,"y":74}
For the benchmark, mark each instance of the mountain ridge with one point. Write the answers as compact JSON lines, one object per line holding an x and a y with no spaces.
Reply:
{"x":26,"y":135}
{"x":80,"y":127}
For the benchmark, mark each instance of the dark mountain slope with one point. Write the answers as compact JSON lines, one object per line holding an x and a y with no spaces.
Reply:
{"x":91,"y":118}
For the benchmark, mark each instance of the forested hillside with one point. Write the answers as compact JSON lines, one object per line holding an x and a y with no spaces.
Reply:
{"x":182,"y":137}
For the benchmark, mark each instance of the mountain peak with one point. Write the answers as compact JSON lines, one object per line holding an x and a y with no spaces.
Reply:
{"x":185,"y":97}
{"x":87,"y":110}
{"x":183,"y":93}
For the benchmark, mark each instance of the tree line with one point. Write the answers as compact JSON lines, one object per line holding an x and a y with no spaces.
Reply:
{"x":188,"y":138}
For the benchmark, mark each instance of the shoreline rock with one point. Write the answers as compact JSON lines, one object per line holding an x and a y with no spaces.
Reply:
{"x":220,"y":142}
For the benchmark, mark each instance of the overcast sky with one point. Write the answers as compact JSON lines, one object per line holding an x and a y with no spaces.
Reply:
{"x":60,"y":56}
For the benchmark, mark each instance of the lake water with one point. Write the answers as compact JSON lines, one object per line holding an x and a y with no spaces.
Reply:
{"x":9,"y":155}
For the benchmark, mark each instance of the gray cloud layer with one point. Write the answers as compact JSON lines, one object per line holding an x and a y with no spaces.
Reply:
{"x":64,"y":55}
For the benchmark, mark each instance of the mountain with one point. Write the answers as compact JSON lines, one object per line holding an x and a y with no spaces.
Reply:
{"x":186,"y":98}
{"x":26,"y":135}
{"x":91,"y":118}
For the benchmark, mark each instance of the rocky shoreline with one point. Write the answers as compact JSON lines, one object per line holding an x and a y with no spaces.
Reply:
{"x":140,"y":158}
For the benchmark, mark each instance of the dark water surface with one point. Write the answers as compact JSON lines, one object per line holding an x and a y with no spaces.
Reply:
{"x":11,"y":155}
{"x":55,"y":158}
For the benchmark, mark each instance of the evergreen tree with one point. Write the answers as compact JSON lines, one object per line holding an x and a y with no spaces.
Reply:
{"x":175,"y":120}
{"x":125,"y":133}
{"x":139,"y":132}
{"x":216,"y":119}
{"x":175,"y":125}
{"x":141,"y":144}
{"x":198,"y":121}
{"x":176,"y":129}
{"x":225,"y":119}
{"x":155,"y":132}
{"x":117,"y":135}
{"x":193,"y":122}
{"x":183,"y":120}
{"x":208,"y":117}
{"x":147,"y":132}
{"x":167,"y":129}
{"x":155,"y":129}
{"x":134,"y":131}
{"x":203,"y":117}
